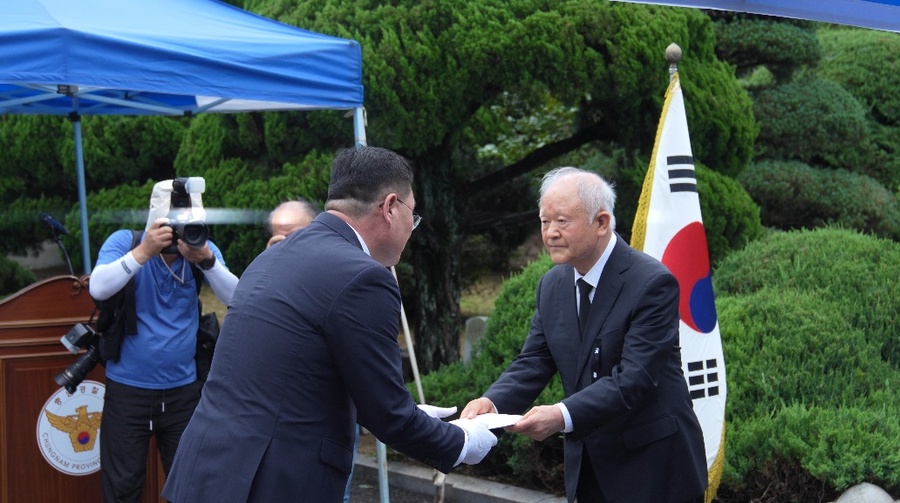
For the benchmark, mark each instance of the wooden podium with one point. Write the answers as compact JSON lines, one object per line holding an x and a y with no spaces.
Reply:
{"x":48,"y":451}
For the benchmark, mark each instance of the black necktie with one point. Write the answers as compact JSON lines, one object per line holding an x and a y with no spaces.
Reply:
{"x":584,"y":307}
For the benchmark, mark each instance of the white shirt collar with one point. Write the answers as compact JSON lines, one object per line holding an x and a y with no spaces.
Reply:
{"x":361,"y":241}
{"x":593,"y":276}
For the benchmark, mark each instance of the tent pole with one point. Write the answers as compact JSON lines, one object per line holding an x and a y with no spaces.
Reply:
{"x":82,"y":197}
{"x":359,"y":126}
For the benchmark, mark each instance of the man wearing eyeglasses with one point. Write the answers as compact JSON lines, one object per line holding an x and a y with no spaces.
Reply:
{"x":309,"y":348}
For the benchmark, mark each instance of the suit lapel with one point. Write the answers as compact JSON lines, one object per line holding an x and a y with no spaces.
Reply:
{"x":607,"y":291}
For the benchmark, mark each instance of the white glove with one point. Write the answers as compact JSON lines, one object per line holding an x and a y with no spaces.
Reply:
{"x":437,"y":412}
{"x":479,"y":441}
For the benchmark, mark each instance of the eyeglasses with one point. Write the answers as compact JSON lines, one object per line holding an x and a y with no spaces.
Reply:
{"x":417,"y":219}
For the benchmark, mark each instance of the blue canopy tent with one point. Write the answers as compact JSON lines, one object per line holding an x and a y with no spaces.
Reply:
{"x":875,"y":14}
{"x":166,"y":57}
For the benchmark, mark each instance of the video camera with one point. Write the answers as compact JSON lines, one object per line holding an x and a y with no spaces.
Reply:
{"x":79,"y":337}
{"x":184,"y":226}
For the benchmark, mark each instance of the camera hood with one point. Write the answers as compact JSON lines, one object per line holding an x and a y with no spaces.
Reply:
{"x":161,"y":201}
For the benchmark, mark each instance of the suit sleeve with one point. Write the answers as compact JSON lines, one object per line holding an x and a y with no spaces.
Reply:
{"x":363,"y":326}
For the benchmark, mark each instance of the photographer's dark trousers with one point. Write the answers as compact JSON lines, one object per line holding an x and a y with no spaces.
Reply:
{"x":131,"y":416}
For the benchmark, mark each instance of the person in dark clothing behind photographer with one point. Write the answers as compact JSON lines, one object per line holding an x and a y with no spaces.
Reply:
{"x":152,"y":389}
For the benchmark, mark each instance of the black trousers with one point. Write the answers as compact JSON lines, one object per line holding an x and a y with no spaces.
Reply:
{"x":131,"y":417}
{"x":588,"y":490}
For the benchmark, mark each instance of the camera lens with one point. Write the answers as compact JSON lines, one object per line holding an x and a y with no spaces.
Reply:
{"x":194,"y":234}
{"x":72,"y":376}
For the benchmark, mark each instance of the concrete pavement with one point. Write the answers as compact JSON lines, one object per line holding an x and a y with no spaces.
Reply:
{"x":457,"y":488}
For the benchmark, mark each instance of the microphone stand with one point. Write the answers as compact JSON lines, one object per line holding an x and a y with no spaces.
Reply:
{"x":65,"y":252}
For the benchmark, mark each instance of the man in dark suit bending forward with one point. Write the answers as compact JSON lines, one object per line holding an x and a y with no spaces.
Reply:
{"x":309,"y":348}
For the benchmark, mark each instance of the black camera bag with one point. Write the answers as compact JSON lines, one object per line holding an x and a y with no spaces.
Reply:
{"x":116,"y":315}
{"x":207,"y":334}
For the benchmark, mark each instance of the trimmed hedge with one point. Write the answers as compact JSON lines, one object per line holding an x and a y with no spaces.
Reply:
{"x":782,"y":47}
{"x":856,"y":272}
{"x":794,"y":195}
{"x":864,"y":62}
{"x":808,"y":322}
{"x":812,"y":120}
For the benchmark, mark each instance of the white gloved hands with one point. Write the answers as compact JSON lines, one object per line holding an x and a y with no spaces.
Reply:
{"x":437,"y":412}
{"x":479,"y":441}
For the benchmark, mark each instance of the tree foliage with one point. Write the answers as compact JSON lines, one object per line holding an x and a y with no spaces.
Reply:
{"x":436,"y":71}
{"x":730,"y":216}
{"x":39,"y":173}
{"x":864,"y":62}
{"x":437,"y":75}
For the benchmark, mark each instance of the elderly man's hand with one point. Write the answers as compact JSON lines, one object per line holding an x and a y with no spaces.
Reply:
{"x":540,"y":422}
{"x":477,"y":407}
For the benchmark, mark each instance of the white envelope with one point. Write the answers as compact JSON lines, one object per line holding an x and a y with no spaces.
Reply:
{"x":492,"y":420}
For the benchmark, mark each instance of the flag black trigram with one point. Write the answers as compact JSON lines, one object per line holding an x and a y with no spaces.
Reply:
{"x":703,"y":378}
{"x":682,"y":177}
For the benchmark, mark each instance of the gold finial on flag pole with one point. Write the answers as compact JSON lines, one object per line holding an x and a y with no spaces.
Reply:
{"x":673,"y":56}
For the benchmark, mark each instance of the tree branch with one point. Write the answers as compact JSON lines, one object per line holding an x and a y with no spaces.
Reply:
{"x":533,"y":160}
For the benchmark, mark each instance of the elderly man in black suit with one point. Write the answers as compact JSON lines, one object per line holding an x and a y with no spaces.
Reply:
{"x":607,"y":322}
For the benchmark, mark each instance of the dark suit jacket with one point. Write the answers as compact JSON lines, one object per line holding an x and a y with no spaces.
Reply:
{"x":636,"y":420}
{"x":307,"y":349}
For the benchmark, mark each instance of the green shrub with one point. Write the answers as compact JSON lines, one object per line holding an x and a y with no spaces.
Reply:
{"x":864,"y":62}
{"x":794,"y":195}
{"x":13,"y":277}
{"x":808,"y":323}
{"x":857,"y":272}
{"x":21,"y":229}
{"x":787,"y":346}
{"x":812,"y":120}
{"x":809,"y":453}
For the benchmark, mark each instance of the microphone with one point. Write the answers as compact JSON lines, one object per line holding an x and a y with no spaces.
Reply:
{"x":54,"y":224}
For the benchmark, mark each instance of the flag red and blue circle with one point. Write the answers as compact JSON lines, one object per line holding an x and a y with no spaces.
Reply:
{"x":687,"y":256}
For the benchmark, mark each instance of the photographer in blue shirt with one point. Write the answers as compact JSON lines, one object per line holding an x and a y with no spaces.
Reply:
{"x":152,"y":388}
